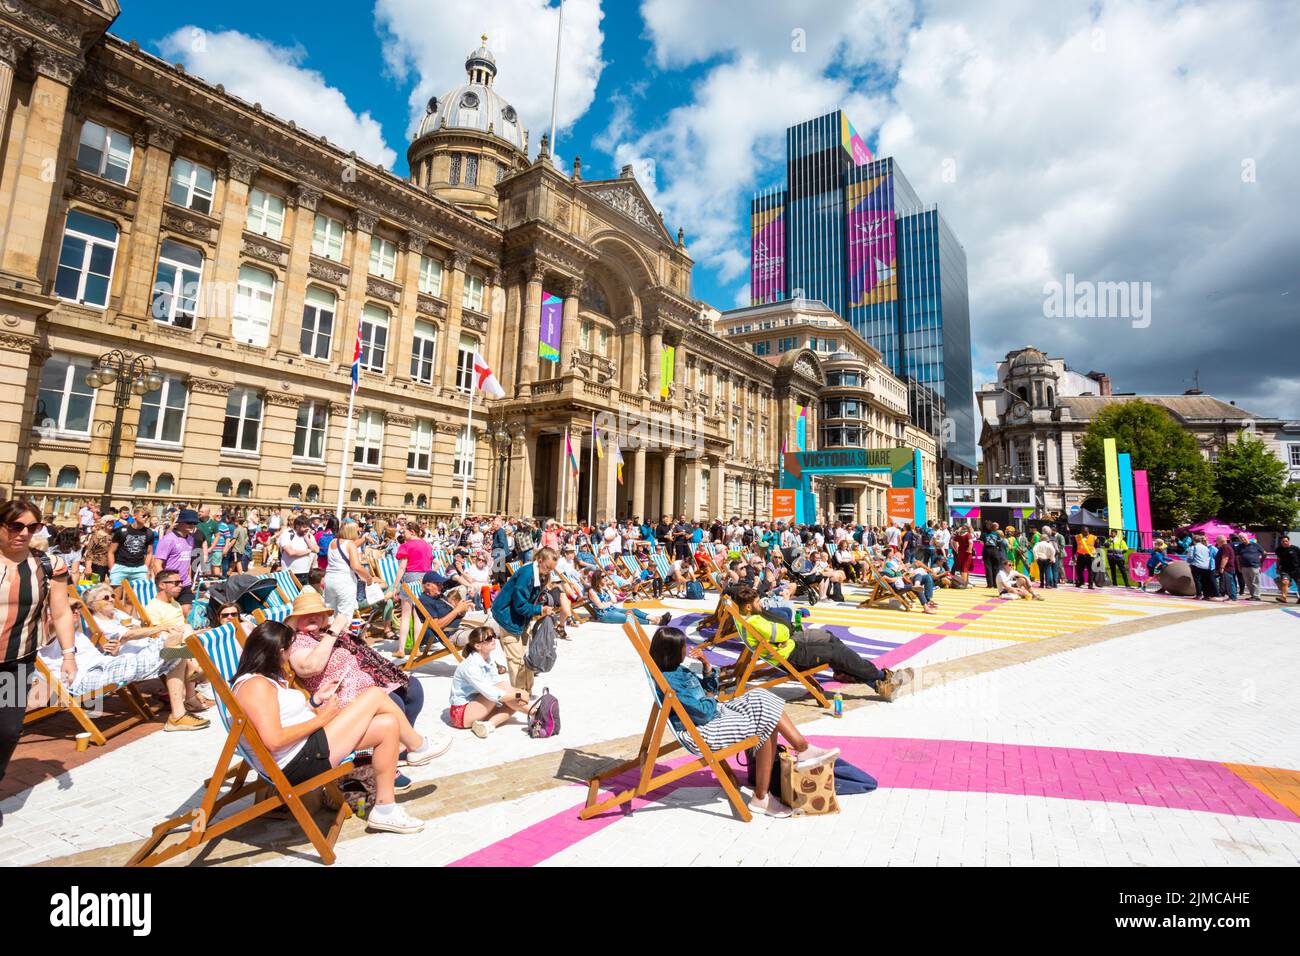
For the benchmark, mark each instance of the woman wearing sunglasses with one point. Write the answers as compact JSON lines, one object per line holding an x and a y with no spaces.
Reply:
{"x":29,"y":588}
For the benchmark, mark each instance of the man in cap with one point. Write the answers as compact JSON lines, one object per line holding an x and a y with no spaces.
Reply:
{"x":175,"y":551}
{"x":448,"y":610}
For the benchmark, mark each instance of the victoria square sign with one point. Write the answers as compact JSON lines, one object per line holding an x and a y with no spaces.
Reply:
{"x":906,"y":498}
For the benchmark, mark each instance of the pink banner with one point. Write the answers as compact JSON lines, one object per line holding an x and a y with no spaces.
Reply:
{"x":1143,"y":503}
{"x":767,"y":255}
{"x":870,"y":227}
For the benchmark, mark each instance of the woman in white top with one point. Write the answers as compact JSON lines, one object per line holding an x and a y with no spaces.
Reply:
{"x":481,"y":696}
{"x":309,"y":735}
{"x":343,"y":567}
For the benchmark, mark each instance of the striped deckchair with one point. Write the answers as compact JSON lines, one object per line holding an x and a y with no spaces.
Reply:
{"x":662,"y":568}
{"x":576,"y":581}
{"x":272,"y":612}
{"x":882,"y":592}
{"x":217,"y":651}
{"x":138,"y":594}
{"x":759,"y":665}
{"x":611,"y":571}
{"x":428,"y":636}
{"x":287,"y":585}
{"x":641,"y":581}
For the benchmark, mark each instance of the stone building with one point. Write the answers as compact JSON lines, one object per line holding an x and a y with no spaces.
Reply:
{"x":1037,"y":411}
{"x":152,"y":212}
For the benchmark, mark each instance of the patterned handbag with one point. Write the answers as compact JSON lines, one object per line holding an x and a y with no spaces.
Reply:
{"x":810,"y":791}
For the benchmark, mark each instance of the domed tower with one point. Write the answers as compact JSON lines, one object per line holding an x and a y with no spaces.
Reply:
{"x":469,"y":140}
{"x":1031,"y":376}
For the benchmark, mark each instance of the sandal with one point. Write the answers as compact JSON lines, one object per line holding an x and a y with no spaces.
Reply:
{"x":199,"y":703}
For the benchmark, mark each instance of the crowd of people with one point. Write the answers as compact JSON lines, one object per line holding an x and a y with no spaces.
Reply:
{"x":317,"y":690}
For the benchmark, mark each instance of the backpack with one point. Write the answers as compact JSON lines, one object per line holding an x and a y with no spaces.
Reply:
{"x":540,"y":655}
{"x":544,"y":716}
{"x":694,"y":591}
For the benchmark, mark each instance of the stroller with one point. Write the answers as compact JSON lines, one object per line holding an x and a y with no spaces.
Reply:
{"x":803,"y":586}
{"x":249,"y":592}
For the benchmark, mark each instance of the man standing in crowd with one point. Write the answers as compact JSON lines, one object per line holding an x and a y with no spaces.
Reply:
{"x":513,"y":609}
{"x":174,"y":552}
{"x":1288,"y":569}
{"x":297,"y":548}
{"x":994,"y":553}
{"x":1250,"y":557}
{"x":1202,"y":565}
{"x":1117,"y":558}
{"x":130,"y":553}
{"x":1085,"y":549}
{"x":1226,"y":568}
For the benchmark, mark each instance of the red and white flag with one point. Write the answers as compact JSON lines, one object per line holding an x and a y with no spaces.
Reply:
{"x":485,"y":380}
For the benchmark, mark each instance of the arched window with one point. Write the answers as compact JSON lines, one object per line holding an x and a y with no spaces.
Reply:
{"x":422,"y":501}
{"x":164,"y":484}
{"x":1023,"y":392}
{"x":1051,"y":396}
{"x":223,"y":487}
{"x":455,"y":503}
{"x":38,"y":476}
{"x":356,"y":495}
{"x":69,"y":477}
{"x":140,"y":481}
{"x":408,"y":501}
{"x":245,"y":489}
{"x":295,"y":492}
{"x":313,"y":493}
{"x":372,"y":498}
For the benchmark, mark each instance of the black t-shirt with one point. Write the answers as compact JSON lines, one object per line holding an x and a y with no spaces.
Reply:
{"x":132,"y":544}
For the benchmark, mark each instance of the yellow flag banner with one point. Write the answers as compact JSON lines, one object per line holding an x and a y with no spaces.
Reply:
{"x":666,"y":367}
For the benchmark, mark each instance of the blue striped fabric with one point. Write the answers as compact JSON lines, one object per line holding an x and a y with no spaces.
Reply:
{"x":661,"y":563}
{"x":144,"y":591}
{"x":277,"y":613}
{"x":633,"y":568}
{"x":387,"y":566}
{"x":287,"y":583}
{"x":219,"y":643}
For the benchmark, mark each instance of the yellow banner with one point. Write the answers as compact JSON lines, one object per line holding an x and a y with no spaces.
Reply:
{"x":667,"y":366}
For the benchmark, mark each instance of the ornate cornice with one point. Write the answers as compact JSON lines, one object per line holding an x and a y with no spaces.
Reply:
{"x":282,"y":399}
{"x":208,"y":386}
{"x":56,"y":66}
{"x":163,"y":137}
{"x":263,"y":249}
{"x":398,"y":421}
{"x":382,"y":289}
{"x":239,"y":168}
{"x":362,"y":220}
{"x":13,"y":46}
{"x":15,"y":342}
{"x":496,"y":277}
{"x":304,"y":196}
{"x":109,"y":195}
{"x":327,"y":270}
{"x":413,"y":243}
{"x":427,"y":305}
{"x":40,"y":21}
{"x":458,"y":260}
{"x":190,"y":223}
{"x":473,"y":320}
{"x":340,"y":409}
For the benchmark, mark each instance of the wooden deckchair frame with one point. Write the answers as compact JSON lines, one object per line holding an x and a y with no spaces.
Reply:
{"x":639,"y":583}
{"x":580,"y":603}
{"x":882,"y":592}
{"x":664,"y":579}
{"x":281,"y":577}
{"x":666,"y":705}
{"x":131,"y":601}
{"x":427,"y":631}
{"x":270,"y":791}
{"x":760,"y":666}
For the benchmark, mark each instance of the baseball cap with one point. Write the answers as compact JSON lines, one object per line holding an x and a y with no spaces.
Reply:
{"x":433,"y":577}
{"x":187,"y":516}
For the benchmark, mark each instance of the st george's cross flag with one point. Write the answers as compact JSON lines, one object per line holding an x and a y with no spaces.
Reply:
{"x":485,"y":380}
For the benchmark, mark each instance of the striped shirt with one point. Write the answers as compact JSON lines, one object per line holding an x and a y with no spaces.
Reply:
{"x":24,"y":592}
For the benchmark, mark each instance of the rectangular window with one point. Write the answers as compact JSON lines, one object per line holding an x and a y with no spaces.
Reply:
{"x":383,"y":258}
{"x":309,"y":432}
{"x":86,"y":260}
{"x":243,"y":422}
{"x":762,"y":348}
{"x":1042,"y":462}
{"x":423,"y":347}
{"x":192,"y":185}
{"x":254,"y":301}
{"x":453,"y":173}
{"x":374,"y":338}
{"x":586,"y":336}
{"x":104,"y":152}
{"x":463,"y":466}
{"x":465,"y":362}
{"x":1295,"y":455}
{"x":317,"y":322}
{"x":420,"y":451}
{"x":430,"y":276}
{"x":327,"y":238}
{"x":265,"y":214}
{"x":176,"y":284}
{"x":370,"y":438}
{"x":162,"y":412}
{"x":64,"y":401}
{"x":473,"y":297}
{"x":471,"y":169}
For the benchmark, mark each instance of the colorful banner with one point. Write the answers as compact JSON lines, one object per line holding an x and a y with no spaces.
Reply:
{"x":1142,"y":506}
{"x":618,"y":459}
{"x":767,"y":252}
{"x":1114,"y":507}
{"x":783,"y":504}
{"x":869,"y":221}
{"x":854,"y":145}
{"x":667,"y":369}
{"x":900,"y":504}
{"x":573,"y":459}
{"x":548,"y":339}
{"x":1128,"y":509}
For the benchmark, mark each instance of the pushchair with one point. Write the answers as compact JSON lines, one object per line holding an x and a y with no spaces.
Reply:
{"x":249,"y":592}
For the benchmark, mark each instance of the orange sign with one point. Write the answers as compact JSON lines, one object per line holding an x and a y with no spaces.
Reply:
{"x":783,"y":504}
{"x":898,"y":504}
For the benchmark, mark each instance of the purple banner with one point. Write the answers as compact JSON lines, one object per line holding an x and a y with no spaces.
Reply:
{"x":767,"y":255}
{"x":870,"y":224}
{"x":548,"y":340}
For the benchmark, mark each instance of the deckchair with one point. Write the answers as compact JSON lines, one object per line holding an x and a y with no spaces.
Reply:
{"x":217,"y":650}
{"x":580,"y":603}
{"x":661,"y":568}
{"x":272,"y":612}
{"x":287,"y":585}
{"x":759,"y":666}
{"x":138,"y":594}
{"x":635,"y":572}
{"x":882,"y":592}
{"x":664,"y":706}
{"x":611,"y":571}
{"x":427,"y":635}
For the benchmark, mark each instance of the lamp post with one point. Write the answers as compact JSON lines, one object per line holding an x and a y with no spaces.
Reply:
{"x":502,"y":441}
{"x":129,"y":375}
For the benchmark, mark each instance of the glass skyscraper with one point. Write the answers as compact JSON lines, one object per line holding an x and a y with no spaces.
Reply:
{"x":851,"y":231}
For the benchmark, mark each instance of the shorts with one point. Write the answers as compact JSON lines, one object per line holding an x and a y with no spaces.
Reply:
{"x":126,"y":572}
{"x":414,"y":579}
{"x":312,"y":759}
{"x":339,"y":591}
{"x":458,"y":716}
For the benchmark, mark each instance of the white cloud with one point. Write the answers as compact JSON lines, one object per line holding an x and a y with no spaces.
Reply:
{"x":261,"y":72}
{"x":432,"y":41}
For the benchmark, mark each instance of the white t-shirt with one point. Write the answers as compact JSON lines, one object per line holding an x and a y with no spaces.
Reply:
{"x":299,"y":564}
{"x":478,"y":577}
{"x":892,"y":535}
{"x":274,"y":523}
{"x":87,"y":517}
{"x":1045,"y":550}
{"x":1008,"y":580}
{"x":941,"y":538}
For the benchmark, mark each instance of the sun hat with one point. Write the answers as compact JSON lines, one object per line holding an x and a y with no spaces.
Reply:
{"x":307,"y":602}
{"x":187,"y":516}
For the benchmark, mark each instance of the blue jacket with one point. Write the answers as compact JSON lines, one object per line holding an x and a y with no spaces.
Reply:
{"x":519,"y":601}
{"x":500,"y":541}
{"x":692,"y":691}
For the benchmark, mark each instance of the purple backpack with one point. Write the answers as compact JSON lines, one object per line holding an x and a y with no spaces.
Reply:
{"x":544,"y":716}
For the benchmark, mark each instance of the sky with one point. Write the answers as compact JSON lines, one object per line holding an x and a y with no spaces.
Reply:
{"x":1067,"y":144}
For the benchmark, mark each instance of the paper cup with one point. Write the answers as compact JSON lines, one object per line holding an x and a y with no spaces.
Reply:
{"x":83,"y":741}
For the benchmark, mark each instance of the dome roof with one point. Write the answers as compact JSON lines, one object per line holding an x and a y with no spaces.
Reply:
{"x":474,"y":105}
{"x":1027,"y":357}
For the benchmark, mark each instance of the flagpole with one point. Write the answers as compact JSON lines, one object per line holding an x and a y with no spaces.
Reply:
{"x":555,"y":86}
{"x":591,"y":479}
{"x":469,"y":431}
{"x":347,"y":450}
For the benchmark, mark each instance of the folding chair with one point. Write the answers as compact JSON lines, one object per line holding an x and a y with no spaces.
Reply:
{"x":138,"y":594}
{"x":635,"y":572}
{"x":759,"y":661}
{"x":580,"y":603}
{"x":287,"y":585}
{"x":666,"y":705}
{"x":882,"y":592}
{"x":611,"y":572}
{"x":663,"y":570}
{"x":427,"y":631}
{"x":217,"y":650}
{"x":273,"y":612}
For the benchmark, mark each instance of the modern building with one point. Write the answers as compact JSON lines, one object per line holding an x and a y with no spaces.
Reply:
{"x":152,"y":212}
{"x":1036,"y":412}
{"x":850,"y":231}
{"x":861,"y":405}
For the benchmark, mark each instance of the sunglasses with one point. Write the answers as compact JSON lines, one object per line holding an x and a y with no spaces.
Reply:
{"x":225,"y":614}
{"x":18,"y":527}
{"x":174,"y":581}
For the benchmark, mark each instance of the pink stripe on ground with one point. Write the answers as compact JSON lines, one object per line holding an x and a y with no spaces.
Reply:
{"x":904,"y":651}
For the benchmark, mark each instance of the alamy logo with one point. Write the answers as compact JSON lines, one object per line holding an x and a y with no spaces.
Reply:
{"x":75,"y":909}
{"x":1098,"y":300}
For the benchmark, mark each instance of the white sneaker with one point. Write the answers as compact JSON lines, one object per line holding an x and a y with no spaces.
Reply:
{"x":482,"y":728}
{"x":430,"y":749}
{"x":814,"y":756}
{"x":769,"y":806}
{"x":392,"y":818}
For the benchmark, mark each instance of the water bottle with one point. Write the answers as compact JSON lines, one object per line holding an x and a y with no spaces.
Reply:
{"x":838,"y":710}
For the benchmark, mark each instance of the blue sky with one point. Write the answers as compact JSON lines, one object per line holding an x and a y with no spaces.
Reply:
{"x":1140,"y":141}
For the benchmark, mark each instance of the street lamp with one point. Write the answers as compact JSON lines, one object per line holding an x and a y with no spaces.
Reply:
{"x":502,"y":440}
{"x":129,"y":375}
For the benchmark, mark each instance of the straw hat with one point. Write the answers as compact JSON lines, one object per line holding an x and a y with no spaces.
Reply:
{"x":307,"y":602}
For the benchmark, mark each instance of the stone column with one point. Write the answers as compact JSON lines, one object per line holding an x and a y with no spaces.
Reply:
{"x":523,"y":468}
{"x":691,"y":502}
{"x":205,"y":417}
{"x":511,"y":372}
{"x":566,"y":489}
{"x":454,"y":285}
{"x":18,"y":356}
{"x":360,"y":226}
{"x":12,"y":48}
{"x":139,"y":259}
{"x":717,"y":488}
{"x":639,"y":504}
{"x":679,"y":372}
{"x":40,"y":170}
{"x":655,"y":362}
{"x":569,"y":337}
{"x":397,"y":441}
{"x":532,"y":326}
{"x":1033,"y":459}
{"x":496,"y":334}
{"x":633,"y":362}
{"x":401,"y":336}
{"x":279,"y":418}
{"x":668,"y":488}
{"x":335,"y":434}
{"x":865,"y":496}
{"x":236,"y":174}
{"x":302,"y":204}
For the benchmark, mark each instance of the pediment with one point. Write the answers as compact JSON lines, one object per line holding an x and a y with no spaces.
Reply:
{"x":626,"y":196}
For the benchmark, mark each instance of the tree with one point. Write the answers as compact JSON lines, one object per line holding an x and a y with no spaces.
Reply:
{"x":1180,"y":482}
{"x":1253,"y":484}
